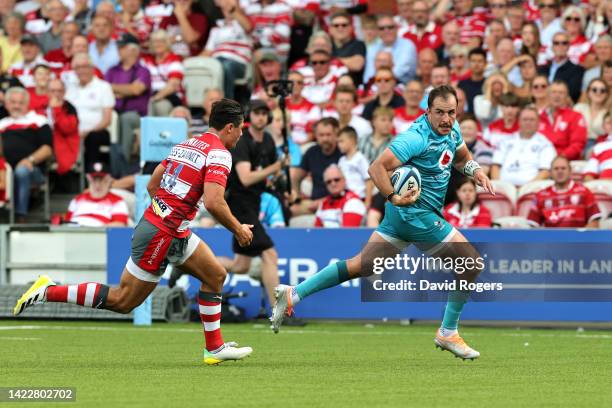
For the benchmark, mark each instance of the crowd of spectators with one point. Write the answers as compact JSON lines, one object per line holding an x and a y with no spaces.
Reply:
{"x":533,"y":80}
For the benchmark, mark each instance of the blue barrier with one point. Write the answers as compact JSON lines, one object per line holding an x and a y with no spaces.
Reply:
{"x":303,"y":252}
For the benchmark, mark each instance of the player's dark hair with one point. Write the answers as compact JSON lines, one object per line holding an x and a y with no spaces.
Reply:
{"x":444,"y":92}
{"x":349,"y":131}
{"x":478,"y":51}
{"x":328,"y":121}
{"x":225,"y":111}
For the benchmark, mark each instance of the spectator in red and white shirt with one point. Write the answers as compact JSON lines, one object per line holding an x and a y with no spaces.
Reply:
{"x":404,"y":17}
{"x":564,"y":127}
{"x":467,"y":211}
{"x":39,"y":94}
{"x":507,"y":126}
{"x":600,"y":162}
{"x":271,"y":22}
{"x":471,"y":21}
{"x":342,"y":207}
{"x":30,"y":48}
{"x":133,"y":20}
{"x":166,"y":70}
{"x":320,"y":77}
{"x":98,"y":207}
{"x":424,"y":32}
{"x":187,"y":27}
{"x":566,"y":204}
{"x":573,"y":22}
{"x":58,"y":57}
{"x":407,"y":114}
{"x":303,"y":113}
{"x":230,"y":43}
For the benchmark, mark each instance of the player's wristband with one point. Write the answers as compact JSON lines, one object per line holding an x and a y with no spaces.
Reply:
{"x":470,"y":167}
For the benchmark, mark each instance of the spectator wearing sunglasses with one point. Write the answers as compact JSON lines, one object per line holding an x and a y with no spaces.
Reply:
{"x":573,"y":22}
{"x":561,"y":68}
{"x":345,"y":46}
{"x":385,"y":95}
{"x":341,"y":207}
{"x":603,"y":54}
{"x":403,"y":51}
{"x":594,"y":109}
{"x":549,"y":22}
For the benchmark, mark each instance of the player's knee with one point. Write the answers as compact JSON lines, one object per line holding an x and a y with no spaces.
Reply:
{"x":218,"y":275}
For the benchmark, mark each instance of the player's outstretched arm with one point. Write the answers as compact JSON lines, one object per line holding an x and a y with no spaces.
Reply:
{"x":379,"y":173}
{"x":465,"y":164}
{"x":214,"y":201}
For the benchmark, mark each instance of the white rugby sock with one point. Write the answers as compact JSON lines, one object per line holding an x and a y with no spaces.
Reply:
{"x":447,"y":332}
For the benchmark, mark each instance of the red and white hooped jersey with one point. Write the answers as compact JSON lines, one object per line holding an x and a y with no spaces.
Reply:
{"x":402,"y":120}
{"x":161,"y":72}
{"x":303,"y":117}
{"x":141,"y":24}
{"x":97,"y":212}
{"x":321,"y":91}
{"x":199,"y":160}
{"x":23,"y":71}
{"x":600,"y":162}
{"x":271,"y":24}
{"x":479,"y":216}
{"x":497,"y":131}
{"x":574,"y":207}
{"x":345,"y":211}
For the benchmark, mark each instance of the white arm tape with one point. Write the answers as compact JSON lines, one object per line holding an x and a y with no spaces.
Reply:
{"x":470,"y":167}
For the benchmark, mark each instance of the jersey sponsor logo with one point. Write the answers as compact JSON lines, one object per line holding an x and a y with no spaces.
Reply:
{"x":566,"y":213}
{"x":156,"y":251}
{"x":160,"y":208}
{"x":445,"y":159}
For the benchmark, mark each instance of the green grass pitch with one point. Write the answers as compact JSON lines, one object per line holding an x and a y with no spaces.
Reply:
{"x":321,"y":365}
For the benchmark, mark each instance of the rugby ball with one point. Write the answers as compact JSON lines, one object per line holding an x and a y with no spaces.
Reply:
{"x":405,"y":178}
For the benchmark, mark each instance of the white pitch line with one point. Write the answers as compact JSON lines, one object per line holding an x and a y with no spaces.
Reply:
{"x":366,"y":332}
{"x":20,"y":338}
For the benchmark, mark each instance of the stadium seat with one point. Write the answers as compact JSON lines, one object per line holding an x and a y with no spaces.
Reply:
{"x":578,"y":169}
{"x":201,"y":73}
{"x":602,"y":189}
{"x":247,"y":80}
{"x":113,"y":127}
{"x":526,"y":194}
{"x":512,"y":222}
{"x":8,"y":202}
{"x":158,"y":135}
{"x":302,"y":221}
{"x":141,"y":196}
{"x":606,"y":224}
{"x":130,"y":200}
{"x":502,"y":203}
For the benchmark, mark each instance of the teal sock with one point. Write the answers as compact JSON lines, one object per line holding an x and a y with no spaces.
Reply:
{"x":454,"y":306}
{"x":327,"y":277}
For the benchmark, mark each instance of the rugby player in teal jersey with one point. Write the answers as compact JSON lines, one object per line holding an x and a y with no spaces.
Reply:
{"x":432,"y":144}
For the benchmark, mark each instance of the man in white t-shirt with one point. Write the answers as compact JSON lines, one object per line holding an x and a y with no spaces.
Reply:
{"x":527,"y":155}
{"x":94,"y":101}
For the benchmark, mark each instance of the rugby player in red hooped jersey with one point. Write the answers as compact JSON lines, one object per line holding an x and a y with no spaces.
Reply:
{"x":565,"y":204}
{"x":195,"y":169}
